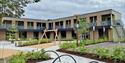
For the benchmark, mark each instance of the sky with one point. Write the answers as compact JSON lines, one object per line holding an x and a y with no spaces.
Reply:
{"x":51,"y":9}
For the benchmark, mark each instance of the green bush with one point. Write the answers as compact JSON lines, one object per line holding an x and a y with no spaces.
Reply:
{"x":32,"y":42}
{"x":118,"y":54}
{"x":44,"y":41}
{"x":33,"y":55}
{"x":102,"y":52}
{"x":67,"y":45}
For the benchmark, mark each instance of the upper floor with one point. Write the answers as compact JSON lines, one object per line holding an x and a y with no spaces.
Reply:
{"x":100,"y":18}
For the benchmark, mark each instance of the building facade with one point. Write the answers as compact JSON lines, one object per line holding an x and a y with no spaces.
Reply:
{"x":105,"y":23}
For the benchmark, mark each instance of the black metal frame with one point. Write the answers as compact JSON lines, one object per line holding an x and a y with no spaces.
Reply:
{"x":53,"y":52}
{"x":64,"y":55}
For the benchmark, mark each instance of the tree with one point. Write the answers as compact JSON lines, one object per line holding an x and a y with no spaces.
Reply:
{"x":11,"y":33}
{"x":83,"y":26}
{"x":14,"y":8}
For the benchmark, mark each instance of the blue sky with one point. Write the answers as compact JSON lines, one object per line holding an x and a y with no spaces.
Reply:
{"x":50,"y":9}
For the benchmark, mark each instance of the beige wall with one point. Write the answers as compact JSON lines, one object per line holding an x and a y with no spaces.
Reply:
{"x":110,"y":35}
{"x":2,"y":35}
{"x":52,"y":35}
{"x":94,"y":35}
{"x":68,"y":35}
{"x":29,"y":34}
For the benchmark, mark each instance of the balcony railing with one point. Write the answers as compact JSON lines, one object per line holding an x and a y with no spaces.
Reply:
{"x":30,"y":27}
{"x":20,"y":27}
{"x":50,"y":28}
{"x":5,"y":26}
{"x":106,"y":23}
{"x":92,"y":24}
{"x":40,"y":28}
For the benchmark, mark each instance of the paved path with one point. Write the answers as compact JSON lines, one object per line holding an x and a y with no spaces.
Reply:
{"x":54,"y":48}
{"x":106,"y":44}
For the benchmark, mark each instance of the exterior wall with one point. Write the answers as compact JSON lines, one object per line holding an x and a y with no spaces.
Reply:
{"x":99,"y":19}
{"x":2,"y":35}
{"x":51,"y":35}
{"x":110,"y":35}
{"x":29,"y":34}
{"x":40,"y":34}
{"x":68,"y":35}
{"x":94,"y":35}
{"x":25,"y":24}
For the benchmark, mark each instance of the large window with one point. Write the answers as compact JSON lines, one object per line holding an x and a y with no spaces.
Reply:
{"x":93,"y":19}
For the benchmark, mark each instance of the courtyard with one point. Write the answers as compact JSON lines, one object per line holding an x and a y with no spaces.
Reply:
{"x":8,"y":49}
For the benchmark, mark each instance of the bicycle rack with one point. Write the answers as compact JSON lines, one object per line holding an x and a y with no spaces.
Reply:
{"x":64,"y":55}
{"x":53,"y":52}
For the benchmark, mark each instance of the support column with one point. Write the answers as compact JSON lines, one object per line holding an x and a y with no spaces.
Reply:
{"x":52,"y":35}
{"x":34,"y":25}
{"x":40,"y":34}
{"x":29,"y":34}
{"x":110,"y":35}
{"x":99,"y":20}
{"x":3,"y":35}
{"x":64,"y":24}
{"x":72,"y":23}
{"x":25,"y":24}
{"x":68,"y":35}
{"x":54,"y":25}
{"x":59,"y":33}
{"x":47,"y":25}
{"x":94,"y":35}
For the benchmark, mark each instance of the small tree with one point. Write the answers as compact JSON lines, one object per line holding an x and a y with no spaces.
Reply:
{"x":83,"y":26}
{"x":11,"y":34}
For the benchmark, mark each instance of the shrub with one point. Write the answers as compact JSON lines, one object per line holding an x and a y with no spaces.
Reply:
{"x":102,"y":52}
{"x":118,"y":54}
{"x":32,"y":42}
{"x":82,"y":49}
{"x":68,"y":45}
{"x":44,"y":40}
{"x":33,"y":55}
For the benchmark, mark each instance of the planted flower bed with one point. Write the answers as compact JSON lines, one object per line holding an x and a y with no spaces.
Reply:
{"x":30,"y":57}
{"x":32,"y":42}
{"x":109,"y":55}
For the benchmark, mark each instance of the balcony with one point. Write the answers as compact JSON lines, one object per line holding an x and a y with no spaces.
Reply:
{"x":106,"y":23}
{"x":30,"y":27}
{"x":50,"y":28}
{"x":92,"y":24}
{"x":5,"y":26}
{"x":20,"y":27}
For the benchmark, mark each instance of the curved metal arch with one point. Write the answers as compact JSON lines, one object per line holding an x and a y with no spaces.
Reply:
{"x":53,"y":52}
{"x":64,"y":55}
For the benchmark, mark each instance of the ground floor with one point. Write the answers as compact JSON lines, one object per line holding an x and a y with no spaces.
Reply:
{"x":68,"y":34}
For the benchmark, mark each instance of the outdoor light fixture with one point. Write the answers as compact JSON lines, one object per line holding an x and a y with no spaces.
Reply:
{"x":77,"y":26}
{"x":93,"y":28}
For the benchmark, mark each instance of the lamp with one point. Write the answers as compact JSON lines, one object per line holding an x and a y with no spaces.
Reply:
{"x":77,"y":26}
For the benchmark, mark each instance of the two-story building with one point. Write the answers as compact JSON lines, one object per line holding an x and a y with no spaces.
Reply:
{"x":105,"y":23}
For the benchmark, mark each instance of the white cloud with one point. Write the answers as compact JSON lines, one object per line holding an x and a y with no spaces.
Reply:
{"x":60,"y":8}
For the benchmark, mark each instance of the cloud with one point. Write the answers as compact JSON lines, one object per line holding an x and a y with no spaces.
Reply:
{"x":60,"y":8}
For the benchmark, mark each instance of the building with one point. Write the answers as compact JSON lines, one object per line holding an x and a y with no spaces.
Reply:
{"x":105,"y":23}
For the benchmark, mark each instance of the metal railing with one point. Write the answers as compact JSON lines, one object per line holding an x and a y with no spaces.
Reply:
{"x":106,"y":23}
